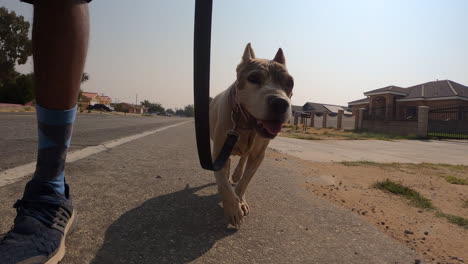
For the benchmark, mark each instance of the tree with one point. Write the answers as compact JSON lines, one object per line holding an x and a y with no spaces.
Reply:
{"x":17,"y":91}
{"x":153,"y":107}
{"x":156,"y":107}
{"x":179,"y":112}
{"x":84,"y":78}
{"x":170,"y":111}
{"x":189,"y":110}
{"x":15,"y":45}
{"x":145,"y":103}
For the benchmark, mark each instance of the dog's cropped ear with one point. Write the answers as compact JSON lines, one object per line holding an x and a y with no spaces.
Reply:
{"x":248,"y":54}
{"x":279,"y":57}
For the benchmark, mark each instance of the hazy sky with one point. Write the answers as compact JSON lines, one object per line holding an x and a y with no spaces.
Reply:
{"x":335,"y":50}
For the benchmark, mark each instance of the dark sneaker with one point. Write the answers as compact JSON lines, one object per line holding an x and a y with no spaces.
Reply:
{"x":44,"y":219}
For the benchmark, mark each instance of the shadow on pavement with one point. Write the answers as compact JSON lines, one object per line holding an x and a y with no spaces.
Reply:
{"x":173,"y":228}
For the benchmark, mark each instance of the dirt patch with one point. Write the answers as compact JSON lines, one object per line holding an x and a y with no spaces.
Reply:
{"x":428,"y":231}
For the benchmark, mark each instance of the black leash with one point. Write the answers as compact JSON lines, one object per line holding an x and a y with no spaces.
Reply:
{"x":201,"y":90}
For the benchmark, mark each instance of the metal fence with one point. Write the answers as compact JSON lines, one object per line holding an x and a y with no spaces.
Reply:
{"x":449,"y":121}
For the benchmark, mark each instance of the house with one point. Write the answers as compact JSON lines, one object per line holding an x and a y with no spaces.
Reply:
{"x":130,"y":108}
{"x":90,"y":98}
{"x":319,"y":109}
{"x":327,"y":108}
{"x":393,"y":102}
{"x":87,"y":98}
{"x":105,"y":100}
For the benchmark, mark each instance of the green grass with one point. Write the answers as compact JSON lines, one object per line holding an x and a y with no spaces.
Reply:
{"x":362,"y":133}
{"x":454,"y":219}
{"x":456,"y":180}
{"x":412,"y":195}
{"x":420,"y":201}
{"x":446,"y":135}
{"x":302,"y":136}
{"x":437,"y":166}
{"x":362,"y":163}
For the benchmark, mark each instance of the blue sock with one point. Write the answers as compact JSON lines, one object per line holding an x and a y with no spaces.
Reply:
{"x":54,"y":131}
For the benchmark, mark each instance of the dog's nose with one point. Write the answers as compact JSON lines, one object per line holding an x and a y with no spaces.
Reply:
{"x":279,"y":105}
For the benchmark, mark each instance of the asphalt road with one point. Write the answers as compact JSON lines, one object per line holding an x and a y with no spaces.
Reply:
{"x":403,"y":151}
{"x":148,"y":201}
{"x":18,"y":133}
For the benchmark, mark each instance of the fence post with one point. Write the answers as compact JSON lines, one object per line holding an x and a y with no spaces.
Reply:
{"x":423,"y":120}
{"x":312,"y":119}
{"x":296,"y":118}
{"x":361,"y":117}
{"x":339,"y":119}
{"x":324,"y":120}
{"x":356,"y":119}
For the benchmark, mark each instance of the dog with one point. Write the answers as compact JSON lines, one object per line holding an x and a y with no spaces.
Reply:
{"x":256,"y":106}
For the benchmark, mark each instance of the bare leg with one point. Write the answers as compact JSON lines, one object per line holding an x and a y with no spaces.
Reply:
{"x":60,"y":43}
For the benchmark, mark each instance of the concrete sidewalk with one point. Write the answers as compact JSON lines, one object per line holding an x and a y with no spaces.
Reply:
{"x":148,"y":201}
{"x":404,"y":151}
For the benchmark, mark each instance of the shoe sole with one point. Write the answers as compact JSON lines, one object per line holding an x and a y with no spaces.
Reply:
{"x":60,"y":252}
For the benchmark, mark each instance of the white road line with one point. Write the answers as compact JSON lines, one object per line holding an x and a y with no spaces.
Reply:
{"x":15,"y":174}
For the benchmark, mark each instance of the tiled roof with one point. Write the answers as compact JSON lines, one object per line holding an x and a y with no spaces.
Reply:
{"x":89,"y":95}
{"x":360,"y":101}
{"x":436,"y":89}
{"x":309,"y":106}
{"x":428,"y":90}
{"x":391,"y":88}
{"x":296,"y":108}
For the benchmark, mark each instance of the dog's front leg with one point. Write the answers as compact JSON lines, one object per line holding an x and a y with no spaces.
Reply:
{"x":237,"y":175}
{"x":231,"y":203}
{"x":253,"y":163}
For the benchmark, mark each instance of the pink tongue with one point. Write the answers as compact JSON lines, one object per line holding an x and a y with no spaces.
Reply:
{"x":273,"y":127}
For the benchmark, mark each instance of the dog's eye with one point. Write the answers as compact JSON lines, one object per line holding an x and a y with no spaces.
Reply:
{"x":254,"y":78}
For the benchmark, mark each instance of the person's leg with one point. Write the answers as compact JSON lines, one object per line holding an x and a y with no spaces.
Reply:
{"x":45,"y":214}
{"x":60,"y":42}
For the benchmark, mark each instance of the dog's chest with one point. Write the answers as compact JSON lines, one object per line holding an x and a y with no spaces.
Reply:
{"x":245,"y":142}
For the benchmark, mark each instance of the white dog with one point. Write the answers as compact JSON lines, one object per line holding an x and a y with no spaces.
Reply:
{"x":256,"y":105}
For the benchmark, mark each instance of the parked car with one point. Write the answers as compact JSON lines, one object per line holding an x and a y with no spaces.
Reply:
{"x":99,"y":107}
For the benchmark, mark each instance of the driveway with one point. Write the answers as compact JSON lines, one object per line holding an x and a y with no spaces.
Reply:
{"x":404,"y":151}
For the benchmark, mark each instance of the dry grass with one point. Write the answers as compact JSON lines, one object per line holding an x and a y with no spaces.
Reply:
{"x":332,"y":133}
{"x":456,"y":180}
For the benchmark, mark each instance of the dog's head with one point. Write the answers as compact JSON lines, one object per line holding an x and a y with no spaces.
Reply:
{"x":264,"y":89}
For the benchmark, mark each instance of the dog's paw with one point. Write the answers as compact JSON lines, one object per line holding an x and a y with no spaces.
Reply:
{"x":245,"y":207}
{"x":234,"y":213}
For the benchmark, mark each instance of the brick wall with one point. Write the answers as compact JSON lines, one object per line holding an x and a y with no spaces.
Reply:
{"x":401,"y":128}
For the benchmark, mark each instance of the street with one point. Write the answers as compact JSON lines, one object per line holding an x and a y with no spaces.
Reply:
{"x":148,"y":201}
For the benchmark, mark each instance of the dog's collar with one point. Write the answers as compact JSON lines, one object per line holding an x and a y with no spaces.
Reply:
{"x":239,"y":116}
